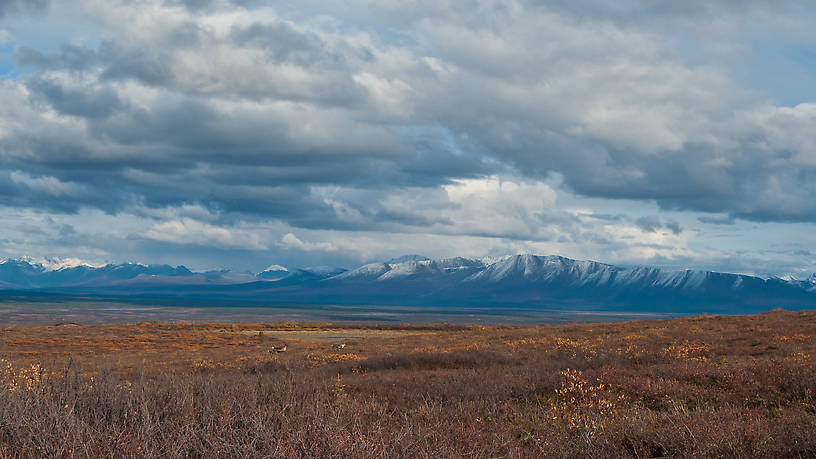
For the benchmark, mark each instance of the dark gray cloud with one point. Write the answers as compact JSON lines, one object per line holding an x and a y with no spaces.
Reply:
{"x":649,"y":224}
{"x":84,"y":102}
{"x":137,"y":64}
{"x":281,"y":41}
{"x":718,"y":220}
{"x":70,"y":57}
{"x":673,"y":226}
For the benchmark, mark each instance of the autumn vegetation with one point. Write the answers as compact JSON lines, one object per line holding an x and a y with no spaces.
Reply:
{"x":697,"y":387}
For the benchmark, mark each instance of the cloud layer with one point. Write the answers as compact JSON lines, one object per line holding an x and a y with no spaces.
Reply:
{"x":237,"y":125}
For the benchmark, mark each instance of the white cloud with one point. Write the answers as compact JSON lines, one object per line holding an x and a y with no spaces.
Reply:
{"x":391,"y":98}
{"x":189,"y":231}
{"x":49,"y":185}
{"x":290,"y":241}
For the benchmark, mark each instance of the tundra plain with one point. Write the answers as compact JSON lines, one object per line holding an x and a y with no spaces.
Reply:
{"x":727,"y":386}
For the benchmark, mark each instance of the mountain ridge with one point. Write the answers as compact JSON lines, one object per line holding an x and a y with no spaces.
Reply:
{"x":523,"y":280}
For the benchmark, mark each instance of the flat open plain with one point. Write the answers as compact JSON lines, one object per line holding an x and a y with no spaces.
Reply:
{"x":703,"y":386}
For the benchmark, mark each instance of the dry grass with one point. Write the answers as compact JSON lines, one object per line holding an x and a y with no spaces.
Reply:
{"x":707,"y":386}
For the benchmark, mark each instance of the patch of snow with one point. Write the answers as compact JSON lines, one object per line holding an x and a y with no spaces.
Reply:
{"x":738,"y":282}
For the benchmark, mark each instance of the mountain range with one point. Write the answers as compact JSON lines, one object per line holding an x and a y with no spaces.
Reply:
{"x":517,"y":281}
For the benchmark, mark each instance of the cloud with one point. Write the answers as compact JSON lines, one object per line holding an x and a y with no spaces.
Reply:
{"x":290,"y":241}
{"x":653,"y":223}
{"x":649,"y":224}
{"x":8,"y":7}
{"x":70,"y":57}
{"x":47,"y":185}
{"x":218,"y":118}
{"x":673,"y":226}
{"x":81,"y":101}
{"x":188,"y":231}
{"x":610,"y":106}
{"x":718,"y":220}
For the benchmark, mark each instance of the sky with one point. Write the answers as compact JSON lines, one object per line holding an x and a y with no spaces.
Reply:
{"x":239,"y":134}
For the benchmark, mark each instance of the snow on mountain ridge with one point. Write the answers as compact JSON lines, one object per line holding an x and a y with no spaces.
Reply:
{"x":371,"y":270}
{"x":514,"y":272}
{"x":391,"y":271}
{"x":407,"y":268}
{"x":541,"y":268}
{"x":55,"y":263}
{"x":534,"y":268}
{"x":531,"y":268}
{"x":791,"y":278}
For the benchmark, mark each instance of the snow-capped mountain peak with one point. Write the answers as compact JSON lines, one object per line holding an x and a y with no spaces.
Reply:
{"x":273,"y":273}
{"x":54,"y":263}
{"x":272,"y":268}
